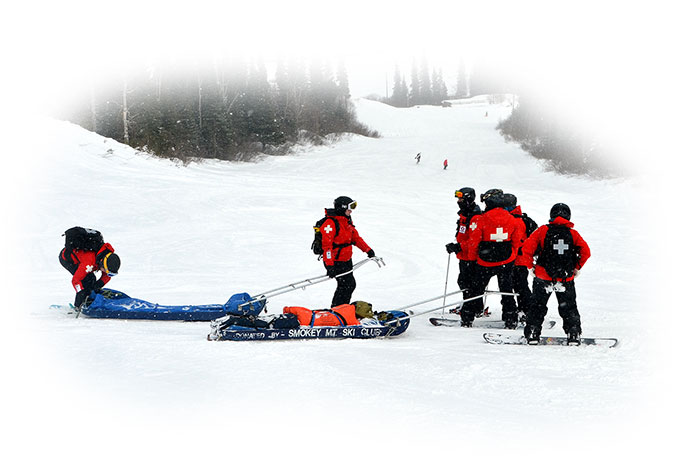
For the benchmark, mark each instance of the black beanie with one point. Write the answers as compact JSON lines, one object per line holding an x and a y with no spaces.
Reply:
{"x":111,"y":263}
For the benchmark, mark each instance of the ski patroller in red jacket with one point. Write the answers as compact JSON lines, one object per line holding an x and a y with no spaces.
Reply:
{"x":337,"y":245}
{"x":517,"y":214}
{"x":536,"y":240}
{"x":87,"y":263}
{"x":464,"y":230}
{"x":499,"y":228}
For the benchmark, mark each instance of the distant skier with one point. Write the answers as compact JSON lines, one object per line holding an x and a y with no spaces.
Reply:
{"x":85,"y":255}
{"x":560,"y":253}
{"x":494,"y":245}
{"x":338,"y":235}
{"x":444,"y":164}
{"x":417,"y":157}
{"x":520,"y":271}
{"x":468,"y":208}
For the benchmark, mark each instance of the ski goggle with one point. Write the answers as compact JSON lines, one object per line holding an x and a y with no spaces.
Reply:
{"x":352,"y":205}
{"x":489,"y":193}
{"x":459,"y":194}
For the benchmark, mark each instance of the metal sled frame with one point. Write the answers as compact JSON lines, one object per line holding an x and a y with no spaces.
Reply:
{"x":304,"y":283}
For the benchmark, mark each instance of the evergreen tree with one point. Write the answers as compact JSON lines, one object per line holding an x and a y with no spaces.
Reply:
{"x":439,"y":88}
{"x":262,"y":125}
{"x":414,"y":96}
{"x":343,"y":83}
{"x":399,"y":96}
{"x":426,"y":93}
{"x":462,"y":86}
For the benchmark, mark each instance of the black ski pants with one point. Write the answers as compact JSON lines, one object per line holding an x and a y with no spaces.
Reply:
{"x":566,"y":297}
{"x":464,"y":281}
{"x":346,"y":284}
{"x":522,"y":288}
{"x":482,"y":276}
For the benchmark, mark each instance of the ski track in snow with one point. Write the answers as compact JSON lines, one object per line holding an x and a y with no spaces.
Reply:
{"x":201,"y":232}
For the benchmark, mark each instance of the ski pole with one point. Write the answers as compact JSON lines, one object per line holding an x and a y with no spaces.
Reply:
{"x":446,"y":275}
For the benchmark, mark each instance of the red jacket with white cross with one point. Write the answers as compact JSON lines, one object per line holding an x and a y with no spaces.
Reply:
{"x":87,"y":263}
{"x":537,"y":239}
{"x":496,"y":226}
{"x":337,"y":245}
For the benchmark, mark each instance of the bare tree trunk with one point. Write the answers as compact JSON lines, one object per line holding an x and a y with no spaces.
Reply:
{"x":125,"y":114}
{"x":93,"y":109}
{"x":199,"y":84}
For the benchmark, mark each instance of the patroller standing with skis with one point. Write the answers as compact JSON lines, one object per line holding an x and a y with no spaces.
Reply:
{"x":560,"y":253}
{"x":338,"y":235}
{"x":468,"y":208}
{"x":494,"y":245}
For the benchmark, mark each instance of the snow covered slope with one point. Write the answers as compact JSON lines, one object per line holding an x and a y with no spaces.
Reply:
{"x":198,"y":233}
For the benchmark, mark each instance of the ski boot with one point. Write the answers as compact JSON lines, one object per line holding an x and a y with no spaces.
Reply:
{"x":532,"y":335}
{"x":510,"y":320}
{"x":573,"y":339}
{"x":466,"y":317}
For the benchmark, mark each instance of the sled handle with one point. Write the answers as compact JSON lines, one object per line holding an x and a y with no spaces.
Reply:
{"x":423,"y":312}
{"x":304,"y":283}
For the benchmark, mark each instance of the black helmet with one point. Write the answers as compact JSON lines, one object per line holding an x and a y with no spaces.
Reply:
{"x":343,"y":203}
{"x":110,"y":263}
{"x":560,"y":209}
{"x":489,"y":193}
{"x":496,"y":200}
{"x":510,"y":201}
{"x":465,"y":194}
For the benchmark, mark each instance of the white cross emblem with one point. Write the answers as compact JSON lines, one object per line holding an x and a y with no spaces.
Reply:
{"x":328,"y":229}
{"x":88,"y":268}
{"x":472,"y":226}
{"x":500,"y":236}
{"x":561,"y":246}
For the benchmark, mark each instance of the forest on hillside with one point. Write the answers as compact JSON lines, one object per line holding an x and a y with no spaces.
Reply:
{"x":229,"y":110}
{"x":236,"y":109}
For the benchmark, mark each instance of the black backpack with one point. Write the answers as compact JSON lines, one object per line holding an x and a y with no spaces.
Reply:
{"x":530,"y":225}
{"x":83,"y":239}
{"x":558,"y":255}
{"x":316,"y":246}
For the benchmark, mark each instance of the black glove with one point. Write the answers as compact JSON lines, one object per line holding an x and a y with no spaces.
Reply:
{"x":81,"y":297}
{"x":330,"y":271}
{"x":89,"y":282}
{"x":453,"y":247}
{"x":370,"y":253}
